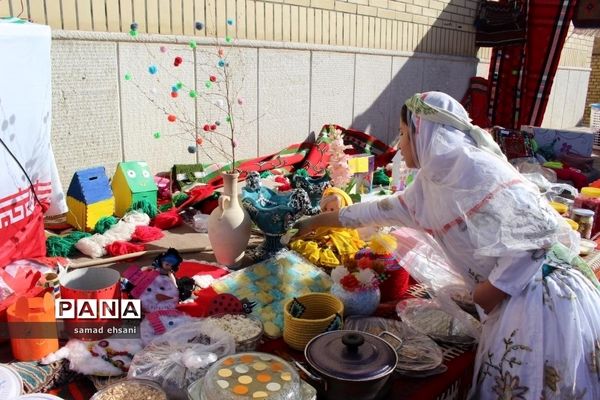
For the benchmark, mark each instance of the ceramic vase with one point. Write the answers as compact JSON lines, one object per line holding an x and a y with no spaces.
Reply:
{"x":229,"y":225}
{"x":359,"y":302}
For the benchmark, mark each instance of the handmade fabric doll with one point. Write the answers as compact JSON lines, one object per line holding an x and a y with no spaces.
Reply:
{"x":156,"y":291}
{"x":158,"y":322}
{"x":334,"y":199}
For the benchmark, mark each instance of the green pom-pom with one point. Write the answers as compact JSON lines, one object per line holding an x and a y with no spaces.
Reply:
{"x":104,"y":224}
{"x":265,"y":174}
{"x":179,"y":198}
{"x":144,"y":206}
{"x":301,"y":172}
{"x":380,"y":178}
{"x":58,"y":246}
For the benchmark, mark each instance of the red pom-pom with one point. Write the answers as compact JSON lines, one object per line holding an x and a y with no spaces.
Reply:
{"x":213,"y":78}
{"x":350,"y":282}
{"x":174,"y":94}
{"x":213,"y":127}
{"x":199,"y":141}
{"x":206,"y":128}
{"x":146,"y":234}
{"x":119,"y":248}
{"x":171,"y":118}
{"x":168,"y":219}
{"x":177,"y":62}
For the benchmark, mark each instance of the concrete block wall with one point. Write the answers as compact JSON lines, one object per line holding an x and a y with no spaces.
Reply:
{"x":289,"y":91}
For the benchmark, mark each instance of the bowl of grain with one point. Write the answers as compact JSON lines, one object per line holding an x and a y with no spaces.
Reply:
{"x":247,"y":330}
{"x":131,"y":389}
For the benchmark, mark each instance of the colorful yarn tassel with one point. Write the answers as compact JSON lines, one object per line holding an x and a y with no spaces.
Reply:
{"x":119,"y":248}
{"x":104,"y":224}
{"x":179,"y":198}
{"x":64,"y":246}
{"x":168,"y":219}
{"x":144,"y":206}
{"x":146,"y":234}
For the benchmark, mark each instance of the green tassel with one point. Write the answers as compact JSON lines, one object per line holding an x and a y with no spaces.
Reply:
{"x":64,"y":246}
{"x":265,"y":174}
{"x":179,"y":198}
{"x":76,"y":235}
{"x":165,"y":207}
{"x":301,"y":172}
{"x":58,"y":246}
{"x":144,"y":206}
{"x":104,"y":224}
{"x":380,"y":178}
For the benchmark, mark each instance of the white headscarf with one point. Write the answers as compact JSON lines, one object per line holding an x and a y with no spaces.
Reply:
{"x":465,"y":181}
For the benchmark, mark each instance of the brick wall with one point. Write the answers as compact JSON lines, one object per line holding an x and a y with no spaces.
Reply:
{"x":429,"y":26}
{"x":593,"y":94}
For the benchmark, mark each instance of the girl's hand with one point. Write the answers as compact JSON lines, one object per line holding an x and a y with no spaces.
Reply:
{"x":487,"y":296}
{"x":304,"y":227}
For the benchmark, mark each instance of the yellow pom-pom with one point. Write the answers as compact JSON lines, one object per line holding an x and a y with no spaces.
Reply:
{"x":382,"y":243}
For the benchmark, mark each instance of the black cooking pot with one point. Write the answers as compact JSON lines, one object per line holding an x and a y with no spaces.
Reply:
{"x":351,"y":365}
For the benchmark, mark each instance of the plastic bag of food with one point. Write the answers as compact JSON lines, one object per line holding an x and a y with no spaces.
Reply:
{"x":417,"y":353}
{"x":181,"y":356}
{"x":433,"y":319}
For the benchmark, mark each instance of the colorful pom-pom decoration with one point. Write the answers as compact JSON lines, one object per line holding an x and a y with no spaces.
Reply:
{"x":174,"y":94}
{"x":191,"y":149}
{"x":228,"y":118}
{"x":199,"y":141}
{"x":206,"y":128}
{"x":153,"y":69}
{"x":133,"y":33}
{"x":171,"y":118}
{"x":208,"y":84}
{"x":156,"y":135}
{"x":240,"y":100}
{"x":193,"y":94}
{"x":193,"y":44}
{"x":218,"y":123}
{"x":213,"y":127}
{"x":230,"y":21}
{"x":212,"y":78}
{"x":228,"y":39}
{"x":179,"y":85}
{"x":133,"y":26}
{"x":174,"y":88}
{"x":128,"y":76}
{"x":221,"y":63}
{"x":177,"y":61}
{"x":163,"y":49}
{"x":199,"y":25}
{"x":221,"y":53}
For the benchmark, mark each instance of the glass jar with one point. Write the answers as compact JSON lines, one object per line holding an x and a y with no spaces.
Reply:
{"x":589,"y":198}
{"x":357,"y":302}
{"x":567,"y":202}
{"x":585,"y":219}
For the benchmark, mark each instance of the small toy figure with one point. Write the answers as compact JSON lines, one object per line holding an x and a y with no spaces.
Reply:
{"x":156,"y":291}
{"x":334,"y":199}
{"x":168,"y":262}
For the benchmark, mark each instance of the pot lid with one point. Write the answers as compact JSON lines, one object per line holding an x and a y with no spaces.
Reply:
{"x":583,"y":212}
{"x":11,"y":384}
{"x":351,"y":355}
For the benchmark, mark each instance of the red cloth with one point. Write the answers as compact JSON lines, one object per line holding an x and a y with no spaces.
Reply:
{"x":571,"y":174}
{"x":200,"y":306}
{"x":22,"y":239}
{"x":521,"y":76}
{"x":476,"y":101}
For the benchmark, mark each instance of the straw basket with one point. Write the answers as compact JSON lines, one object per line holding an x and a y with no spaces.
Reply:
{"x":321,"y":310}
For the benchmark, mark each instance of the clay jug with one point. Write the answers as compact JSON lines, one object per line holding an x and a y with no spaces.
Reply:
{"x":229,"y":225}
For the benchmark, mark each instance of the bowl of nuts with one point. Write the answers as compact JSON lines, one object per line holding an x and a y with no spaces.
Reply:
{"x":131,"y":389}
{"x":246,"y":330}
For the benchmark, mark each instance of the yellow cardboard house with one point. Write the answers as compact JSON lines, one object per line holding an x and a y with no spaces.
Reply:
{"x":133,"y":182}
{"x":89,"y":198}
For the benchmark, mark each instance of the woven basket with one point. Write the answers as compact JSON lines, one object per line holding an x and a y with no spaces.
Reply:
{"x":321,"y":310}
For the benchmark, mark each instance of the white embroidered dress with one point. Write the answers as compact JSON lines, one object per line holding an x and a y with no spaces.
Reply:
{"x":543,"y":341}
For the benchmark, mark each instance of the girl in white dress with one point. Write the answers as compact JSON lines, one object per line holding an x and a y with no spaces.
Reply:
{"x":539,"y":303}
